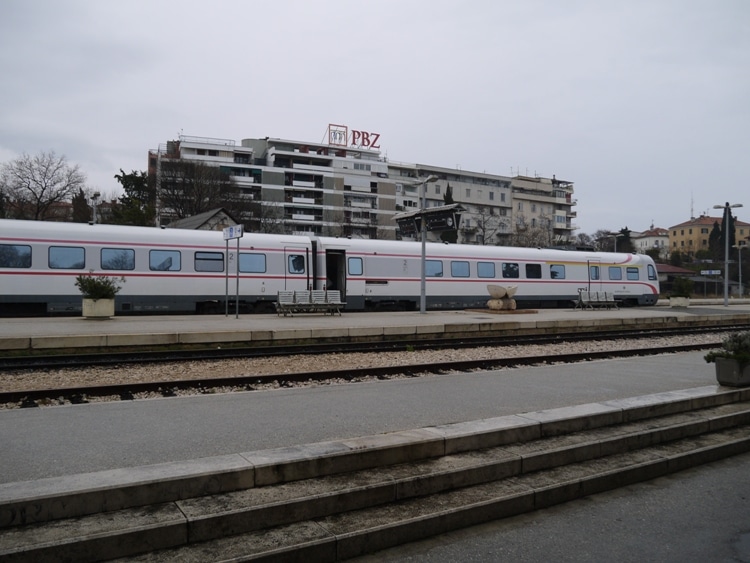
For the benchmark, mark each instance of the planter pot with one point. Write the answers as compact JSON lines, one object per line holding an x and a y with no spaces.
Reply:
{"x":98,"y":308}
{"x":679,"y":301}
{"x":728,"y":373}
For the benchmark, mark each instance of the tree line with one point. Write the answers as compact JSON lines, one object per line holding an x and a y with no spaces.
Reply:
{"x":36,"y":187}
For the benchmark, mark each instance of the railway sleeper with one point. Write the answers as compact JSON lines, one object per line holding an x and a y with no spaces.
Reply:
{"x":336,"y":500}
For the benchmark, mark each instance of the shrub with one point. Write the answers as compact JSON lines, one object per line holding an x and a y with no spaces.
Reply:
{"x":681,"y":287}
{"x":734,"y":347}
{"x":99,"y":287}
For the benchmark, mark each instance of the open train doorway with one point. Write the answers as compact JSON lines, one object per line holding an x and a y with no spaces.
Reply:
{"x":336,"y":271}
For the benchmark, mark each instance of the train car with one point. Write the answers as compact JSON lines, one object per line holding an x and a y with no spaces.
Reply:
{"x":186,"y":271}
{"x":376,"y":274}
{"x":165,"y":270}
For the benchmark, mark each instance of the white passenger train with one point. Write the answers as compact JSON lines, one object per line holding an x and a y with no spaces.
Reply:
{"x":185,"y":271}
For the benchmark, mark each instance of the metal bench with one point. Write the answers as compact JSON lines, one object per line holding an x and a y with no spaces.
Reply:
{"x":316,"y":301}
{"x":596,"y":300}
{"x":285,"y":303}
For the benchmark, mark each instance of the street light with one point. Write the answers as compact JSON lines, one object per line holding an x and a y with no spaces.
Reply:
{"x":739,"y":248}
{"x":725,"y":225}
{"x":614,"y":236}
{"x":94,"y":199}
{"x":423,"y":204}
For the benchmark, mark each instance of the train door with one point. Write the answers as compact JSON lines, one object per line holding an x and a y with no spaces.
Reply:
{"x":297,"y":270}
{"x":345,"y":274}
{"x":594,"y":275}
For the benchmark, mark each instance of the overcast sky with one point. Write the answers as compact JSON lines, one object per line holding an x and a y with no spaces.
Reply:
{"x":643,"y":104}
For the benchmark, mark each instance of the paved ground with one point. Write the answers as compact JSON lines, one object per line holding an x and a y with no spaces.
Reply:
{"x":699,"y":515}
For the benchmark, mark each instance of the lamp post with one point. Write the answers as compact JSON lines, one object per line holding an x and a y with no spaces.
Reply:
{"x":615,"y":236}
{"x":423,"y":204}
{"x":739,"y":264}
{"x":94,"y":199}
{"x":725,"y":225}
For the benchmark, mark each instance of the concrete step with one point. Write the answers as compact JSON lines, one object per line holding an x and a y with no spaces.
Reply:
{"x":355,"y":500}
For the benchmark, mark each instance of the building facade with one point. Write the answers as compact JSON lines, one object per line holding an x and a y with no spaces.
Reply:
{"x":655,"y":238}
{"x":693,"y":235}
{"x":344,"y":186}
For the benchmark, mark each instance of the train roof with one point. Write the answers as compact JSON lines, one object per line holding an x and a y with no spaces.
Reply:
{"x":11,"y":229}
{"x":470,"y":251}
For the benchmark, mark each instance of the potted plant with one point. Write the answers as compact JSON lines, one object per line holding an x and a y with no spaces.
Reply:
{"x":682,"y":288}
{"x":98,"y":294}
{"x":733,"y":360}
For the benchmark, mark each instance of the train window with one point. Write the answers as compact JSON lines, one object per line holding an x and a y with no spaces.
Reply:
{"x":355,"y":267}
{"x":534,"y":271}
{"x":67,"y":258}
{"x":594,"y":273}
{"x":510,"y":270}
{"x":486,"y":269}
{"x":296,"y":264}
{"x":557,"y":272}
{"x":164,"y":260}
{"x":615,"y":273}
{"x":209,"y":261}
{"x":459,"y":269}
{"x":118,"y":259}
{"x":252,"y":263}
{"x":15,"y":256}
{"x":651,"y":272}
{"x":433,"y":268}
{"x":632,"y":273}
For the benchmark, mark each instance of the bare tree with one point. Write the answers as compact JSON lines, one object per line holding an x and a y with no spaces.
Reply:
{"x":533,"y":235}
{"x":33,"y":185}
{"x":265,"y":218}
{"x":489,"y":225}
{"x":188,"y":188}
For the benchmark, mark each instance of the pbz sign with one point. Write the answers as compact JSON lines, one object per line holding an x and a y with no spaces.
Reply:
{"x":341,"y":136}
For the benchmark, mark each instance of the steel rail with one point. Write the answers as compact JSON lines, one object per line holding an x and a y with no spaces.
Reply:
{"x":227,"y":351}
{"x":128,"y":391}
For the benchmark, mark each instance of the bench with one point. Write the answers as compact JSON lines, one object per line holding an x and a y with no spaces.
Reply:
{"x":316,"y":301}
{"x":596,"y":300}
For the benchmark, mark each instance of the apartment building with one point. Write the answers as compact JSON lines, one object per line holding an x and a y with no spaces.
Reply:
{"x":693,"y":235}
{"x":344,"y":186}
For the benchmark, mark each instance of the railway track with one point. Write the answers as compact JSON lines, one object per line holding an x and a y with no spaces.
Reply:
{"x":130,"y":390}
{"x":225,"y":351}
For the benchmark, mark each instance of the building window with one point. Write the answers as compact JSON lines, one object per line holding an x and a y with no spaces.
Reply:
{"x":468,"y":192}
{"x":492,"y":196}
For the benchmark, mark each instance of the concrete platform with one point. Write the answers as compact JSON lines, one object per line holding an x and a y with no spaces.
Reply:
{"x":77,"y":332}
{"x":129,"y":439}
